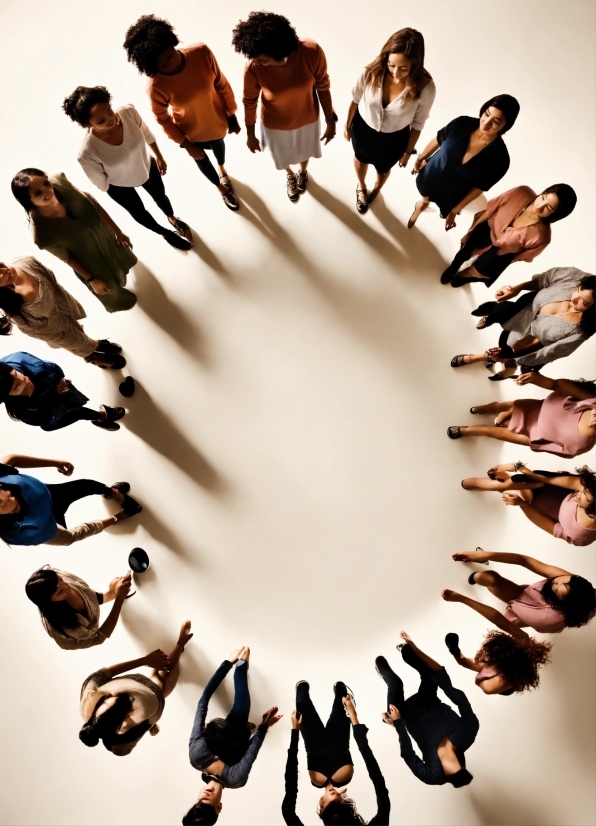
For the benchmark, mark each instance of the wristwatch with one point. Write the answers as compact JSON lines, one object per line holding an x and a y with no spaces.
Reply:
{"x":332,"y":119}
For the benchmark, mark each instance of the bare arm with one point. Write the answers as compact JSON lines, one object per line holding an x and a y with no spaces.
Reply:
{"x":566,"y":387}
{"x":429,"y":150}
{"x":18,"y":460}
{"x":471,"y":196}
{"x":534,"y":565}
{"x":351,"y":112}
{"x":424,"y":657}
{"x":568,"y":482}
{"x":154,"y":659}
{"x":412,"y":141}
{"x":108,"y":626}
{"x":487,"y":611}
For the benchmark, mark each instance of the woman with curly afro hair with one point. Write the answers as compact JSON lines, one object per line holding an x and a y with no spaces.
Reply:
{"x":509,"y":659}
{"x":190,"y":96}
{"x":289,"y":75}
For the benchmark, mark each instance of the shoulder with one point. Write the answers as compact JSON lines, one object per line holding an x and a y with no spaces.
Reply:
{"x":309,"y":48}
{"x":461,"y":125}
{"x":197,"y":53}
{"x":428,"y":88}
{"x":524,"y":192}
{"x":60,"y":180}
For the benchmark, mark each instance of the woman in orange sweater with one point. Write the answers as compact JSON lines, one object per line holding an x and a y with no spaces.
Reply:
{"x":289,"y":74}
{"x":190,"y":97}
{"x":513,"y":227}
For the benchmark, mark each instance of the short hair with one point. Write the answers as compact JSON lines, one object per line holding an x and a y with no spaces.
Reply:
{"x":146,"y":40}
{"x":264,"y":32}
{"x":506,"y":104}
{"x":567,"y":201}
{"x":20,"y":185}
{"x":341,"y":812}
{"x":6,"y":381}
{"x":200,"y":813}
{"x":78,"y":105}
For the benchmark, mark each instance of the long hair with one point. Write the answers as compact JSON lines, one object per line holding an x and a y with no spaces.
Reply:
{"x":587,"y":478}
{"x":105,"y":726}
{"x":517,"y":661}
{"x":20,"y":186}
{"x":579,"y":606}
{"x":588,"y":320}
{"x":40,"y":587}
{"x":410,"y":43}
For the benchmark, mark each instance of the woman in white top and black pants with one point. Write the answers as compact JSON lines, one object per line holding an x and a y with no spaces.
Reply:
{"x":391,"y":102}
{"x":114,"y":157}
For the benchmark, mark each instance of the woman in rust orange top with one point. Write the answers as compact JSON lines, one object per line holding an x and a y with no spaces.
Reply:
{"x":190,"y":97}
{"x":289,"y":74}
{"x":513,"y":227}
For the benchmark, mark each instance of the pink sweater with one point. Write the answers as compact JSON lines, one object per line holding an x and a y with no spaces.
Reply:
{"x":525,"y":242}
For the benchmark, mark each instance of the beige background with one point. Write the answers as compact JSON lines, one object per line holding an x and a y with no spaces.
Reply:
{"x":287,"y":438}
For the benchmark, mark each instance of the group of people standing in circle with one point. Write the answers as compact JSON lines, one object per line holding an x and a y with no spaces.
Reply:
{"x":194,"y":103}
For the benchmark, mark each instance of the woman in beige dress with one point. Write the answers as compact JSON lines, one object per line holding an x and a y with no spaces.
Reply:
{"x":69,"y":608}
{"x":33,"y":300}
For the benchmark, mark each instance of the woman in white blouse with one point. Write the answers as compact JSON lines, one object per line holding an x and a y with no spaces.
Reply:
{"x":391,"y":102}
{"x":114,"y":157}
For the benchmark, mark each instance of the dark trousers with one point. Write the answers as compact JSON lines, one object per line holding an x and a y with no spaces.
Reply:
{"x":498,"y":312}
{"x":64,"y":494}
{"x":219,"y":150}
{"x":316,"y":735}
{"x":425,"y":698}
{"x":70,"y":417}
{"x":238,"y":716}
{"x":490,"y":263}
{"x":129,"y":198}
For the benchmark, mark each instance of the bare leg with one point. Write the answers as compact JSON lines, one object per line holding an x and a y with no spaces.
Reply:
{"x":475,"y":358}
{"x":501,"y":588}
{"x":361,"y":170}
{"x":494,"y":432}
{"x":494,"y":407}
{"x":168,"y":679}
{"x":472,"y":272}
{"x":303,"y":165}
{"x":289,"y":170}
{"x":467,"y":662}
{"x":499,"y":484}
{"x":379,"y":184}
{"x":419,"y":209}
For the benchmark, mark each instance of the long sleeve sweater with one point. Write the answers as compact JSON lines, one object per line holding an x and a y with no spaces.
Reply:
{"x":233,"y":777}
{"x":288,"y":806}
{"x":440,"y":722}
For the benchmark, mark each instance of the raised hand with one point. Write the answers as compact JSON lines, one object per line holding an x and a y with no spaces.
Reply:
{"x":296,"y":719}
{"x":271,"y":717}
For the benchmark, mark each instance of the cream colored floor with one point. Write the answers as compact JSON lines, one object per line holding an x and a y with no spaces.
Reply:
{"x":287,"y":438}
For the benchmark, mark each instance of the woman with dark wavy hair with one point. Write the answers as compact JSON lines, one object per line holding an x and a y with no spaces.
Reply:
{"x":69,"y":608}
{"x":550,"y":322}
{"x":289,"y":75}
{"x":72,"y":226}
{"x":467,"y":157}
{"x":505,"y":663}
{"x":561,"y":600}
{"x":562,"y":504}
{"x":391,"y":102}
{"x":190,"y":96}
{"x":442,"y":734}
{"x":119,"y":710}
{"x":513,"y":227}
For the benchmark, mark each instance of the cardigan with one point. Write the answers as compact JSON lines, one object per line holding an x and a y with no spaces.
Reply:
{"x":86,"y":633}
{"x":232,"y":777}
{"x":438,"y":723}
{"x":396,"y":115}
{"x":558,"y":338}
{"x":288,"y":807}
{"x":129,"y":163}
{"x":196,"y":102}
{"x":288,"y":99}
{"x":525,"y":242}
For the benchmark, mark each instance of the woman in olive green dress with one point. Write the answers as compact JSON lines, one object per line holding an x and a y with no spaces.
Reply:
{"x":75,"y":228}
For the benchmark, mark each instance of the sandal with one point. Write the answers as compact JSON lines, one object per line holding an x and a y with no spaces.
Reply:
{"x":474,"y":412}
{"x":411,"y":222}
{"x":483,"y":323}
{"x":454,"y":432}
{"x":361,"y":203}
{"x":458,"y":361}
{"x":182,"y":228}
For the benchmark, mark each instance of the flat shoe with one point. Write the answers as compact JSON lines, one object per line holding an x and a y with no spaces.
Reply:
{"x":458,"y":361}
{"x":500,"y":377}
{"x":130,"y":506}
{"x":121,"y":487}
{"x":107,"y":425}
{"x":411,"y":222}
{"x":452,"y":643}
{"x":113,"y":414}
{"x":126,"y":388}
{"x":361,"y":206}
{"x":454,"y":432}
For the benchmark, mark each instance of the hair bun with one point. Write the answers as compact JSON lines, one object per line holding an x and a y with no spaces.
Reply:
{"x":88,"y":736}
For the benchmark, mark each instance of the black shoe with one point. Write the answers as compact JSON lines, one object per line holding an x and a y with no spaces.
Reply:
{"x":381,"y":665}
{"x":175,"y":240}
{"x":292,"y":187}
{"x":130,"y":506}
{"x":361,"y":203}
{"x":127,"y":387}
{"x":106,"y":425}
{"x":116,"y":361}
{"x":121,"y":487}
{"x":302,"y":181}
{"x":449,"y":274}
{"x":471,"y":579}
{"x":452,"y":643}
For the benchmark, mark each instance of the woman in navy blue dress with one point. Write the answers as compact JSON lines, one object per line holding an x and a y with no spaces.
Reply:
{"x":467,"y":157}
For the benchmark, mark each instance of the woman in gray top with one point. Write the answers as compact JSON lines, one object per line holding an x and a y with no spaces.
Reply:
{"x":69,"y":608}
{"x":548,"y":323}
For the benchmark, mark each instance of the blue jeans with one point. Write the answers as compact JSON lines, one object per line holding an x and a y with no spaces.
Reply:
{"x":238,"y":716}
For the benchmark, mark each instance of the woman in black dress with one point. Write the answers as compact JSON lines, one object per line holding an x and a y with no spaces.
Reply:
{"x":467,"y":157}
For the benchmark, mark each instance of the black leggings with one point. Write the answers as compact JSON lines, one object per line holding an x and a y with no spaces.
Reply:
{"x":70,"y":417}
{"x":65,"y":493}
{"x":219,"y":150}
{"x":129,"y":198}
{"x":425,"y":698}
{"x":327,"y":746}
{"x":490,"y":263}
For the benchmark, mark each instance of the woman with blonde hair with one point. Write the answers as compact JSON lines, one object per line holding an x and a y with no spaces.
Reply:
{"x":391,"y":102}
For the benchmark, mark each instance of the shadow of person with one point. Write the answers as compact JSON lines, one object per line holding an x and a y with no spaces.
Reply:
{"x":259,"y":215}
{"x":421,"y":251}
{"x":160,"y":531}
{"x":154,"y":301}
{"x":501,"y":805}
{"x":382,"y":246}
{"x":207,"y":256}
{"x":150,"y":423}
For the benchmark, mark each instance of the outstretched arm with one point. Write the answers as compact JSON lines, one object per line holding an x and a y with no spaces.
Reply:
{"x":288,"y":806}
{"x":375,"y":774}
{"x":424,"y":657}
{"x":534,"y":565}
{"x":20,"y":460}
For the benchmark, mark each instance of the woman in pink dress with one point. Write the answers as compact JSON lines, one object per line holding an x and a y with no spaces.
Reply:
{"x":513,"y":227}
{"x":563,"y":424}
{"x":561,"y":600}
{"x":562,"y":504}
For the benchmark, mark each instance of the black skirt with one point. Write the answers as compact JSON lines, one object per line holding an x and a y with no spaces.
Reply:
{"x":381,"y":149}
